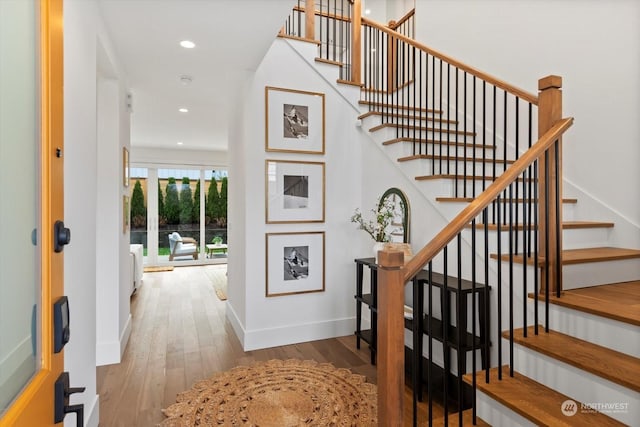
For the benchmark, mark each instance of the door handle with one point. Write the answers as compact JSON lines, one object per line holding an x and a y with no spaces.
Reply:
{"x":61,"y":236}
{"x":61,"y":400}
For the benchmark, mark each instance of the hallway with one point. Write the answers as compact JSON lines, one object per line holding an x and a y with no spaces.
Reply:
{"x":179,"y":336}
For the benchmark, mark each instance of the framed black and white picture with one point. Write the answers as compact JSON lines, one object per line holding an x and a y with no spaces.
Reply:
{"x":294,"y":121}
{"x":295,"y":263}
{"x":294,"y":191}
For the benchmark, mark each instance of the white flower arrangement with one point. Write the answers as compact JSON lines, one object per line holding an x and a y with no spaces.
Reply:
{"x":377,"y":229}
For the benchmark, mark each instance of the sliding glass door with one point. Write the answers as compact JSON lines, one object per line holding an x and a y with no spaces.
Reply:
{"x":179,"y":215}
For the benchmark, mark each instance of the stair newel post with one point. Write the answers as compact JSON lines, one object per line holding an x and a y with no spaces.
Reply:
{"x":390,"y":352}
{"x":356,"y":38}
{"x":310,"y":20}
{"x":549,"y":112}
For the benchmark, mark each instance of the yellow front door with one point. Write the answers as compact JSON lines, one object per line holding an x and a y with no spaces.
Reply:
{"x":31,"y":200}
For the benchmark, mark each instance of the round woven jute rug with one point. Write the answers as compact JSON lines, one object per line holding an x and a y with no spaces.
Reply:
{"x":277,"y":393}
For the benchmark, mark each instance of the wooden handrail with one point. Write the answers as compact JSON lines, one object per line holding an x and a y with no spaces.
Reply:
{"x":483,"y":200}
{"x":402,"y":20}
{"x":323,"y":14}
{"x":473,"y":71}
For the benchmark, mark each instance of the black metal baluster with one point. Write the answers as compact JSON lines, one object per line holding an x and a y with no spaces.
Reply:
{"x":558,"y":269}
{"x":448,"y":124}
{"x":430,"y":388}
{"x":546,"y":240}
{"x":464,"y":129}
{"x":473,"y":138}
{"x":487,"y":329}
{"x":498,"y":234}
{"x":511,"y":240}
{"x":446,"y":320}
{"x":536,"y":238}
{"x":461,"y":329}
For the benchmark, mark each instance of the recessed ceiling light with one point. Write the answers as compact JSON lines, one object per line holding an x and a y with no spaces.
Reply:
{"x":183,"y":110}
{"x":187,"y":44}
{"x":186,"y":80}
{"x":179,"y":142}
{"x":366,"y":12}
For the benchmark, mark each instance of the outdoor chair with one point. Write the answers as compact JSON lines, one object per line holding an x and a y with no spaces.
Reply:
{"x":182,"y":246}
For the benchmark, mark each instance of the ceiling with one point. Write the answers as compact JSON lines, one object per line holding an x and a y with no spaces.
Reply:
{"x":231,"y":37}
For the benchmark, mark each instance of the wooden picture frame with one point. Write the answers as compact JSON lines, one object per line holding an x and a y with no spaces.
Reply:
{"x":125,"y":214}
{"x":294,"y":121}
{"x":294,"y":191}
{"x":294,"y":263}
{"x":125,"y":167}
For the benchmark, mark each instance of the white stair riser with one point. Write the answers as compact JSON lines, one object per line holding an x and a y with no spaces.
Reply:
{"x":572,"y":238}
{"x":580,"y":385}
{"x":463,"y":184}
{"x":496,"y":414}
{"x":406,"y":148}
{"x":583,"y":275}
{"x":329,"y":71}
{"x":451,"y":209}
{"x":595,"y":329}
{"x":597,"y":273}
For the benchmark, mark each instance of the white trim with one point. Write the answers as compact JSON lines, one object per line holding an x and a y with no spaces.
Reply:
{"x":273,"y":337}
{"x":124,"y":336}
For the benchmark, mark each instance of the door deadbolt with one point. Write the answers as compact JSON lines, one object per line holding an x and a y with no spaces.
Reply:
{"x":61,"y":236}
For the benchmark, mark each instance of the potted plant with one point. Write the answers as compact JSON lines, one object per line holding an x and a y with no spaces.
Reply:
{"x":377,"y":227}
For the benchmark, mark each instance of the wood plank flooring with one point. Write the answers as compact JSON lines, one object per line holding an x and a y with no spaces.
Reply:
{"x":180,"y":335}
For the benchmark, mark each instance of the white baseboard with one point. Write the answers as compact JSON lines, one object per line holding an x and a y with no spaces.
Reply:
{"x":273,"y":337}
{"x":124,"y":336}
{"x":233,"y":318}
{"x":110,"y":352}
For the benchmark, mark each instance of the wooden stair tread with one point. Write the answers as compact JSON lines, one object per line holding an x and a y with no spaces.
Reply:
{"x":534,"y":401}
{"x":450,"y":158}
{"x":300,"y":39}
{"x":566,"y":225}
{"x":581,"y":256}
{"x":399,"y":107}
{"x":453,"y":419}
{"x":348,"y":82}
{"x":421,"y":129}
{"x":611,"y":365}
{"x":616,"y":301}
{"x":504,"y":200}
{"x":431,"y":141}
{"x":406,"y":116}
{"x":329,"y":61}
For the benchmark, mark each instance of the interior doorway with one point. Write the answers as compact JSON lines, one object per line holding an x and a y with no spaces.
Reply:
{"x":179,"y":214}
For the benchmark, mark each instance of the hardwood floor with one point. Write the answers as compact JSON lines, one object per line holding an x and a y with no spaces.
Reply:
{"x":180,"y":335}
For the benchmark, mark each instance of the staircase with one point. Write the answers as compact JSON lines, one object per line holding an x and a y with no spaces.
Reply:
{"x":568,"y":352}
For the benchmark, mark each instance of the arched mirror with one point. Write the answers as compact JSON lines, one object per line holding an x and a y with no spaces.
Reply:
{"x":399,"y":228}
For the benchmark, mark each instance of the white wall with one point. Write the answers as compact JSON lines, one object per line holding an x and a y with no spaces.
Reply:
{"x":273,"y":321}
{"x":154,"y":156}
{"x":594,"y":46}
{"x":84,"y":32}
